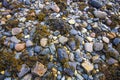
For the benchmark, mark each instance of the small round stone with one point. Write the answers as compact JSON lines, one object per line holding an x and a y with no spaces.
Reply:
{"x":37,"y":49}
{"x":105,"y":39}
{"x":43,"y":42}
{"x":20,"y":46}
{"x":71,"y":21}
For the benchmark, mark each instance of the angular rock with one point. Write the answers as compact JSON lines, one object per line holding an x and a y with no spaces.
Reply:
{"x":98,"y":46}
{"x":111,"y":61}
{"x":29,"y":43}
{"x":43,"y":42}
{"x":16,"y":31}
{"x":14,"y":39}
{"x":63,"y":39}
{"x":39,"y":69}
{"x":100,"y":14}
{"x":24,"y":70}
{"x":88,"y":47}
{"x":62,"y":55}
{"x":87,"y":66}
{"x":20,"y":46}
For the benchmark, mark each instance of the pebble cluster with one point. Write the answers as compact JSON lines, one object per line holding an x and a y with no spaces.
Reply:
{"x":59,"y":39}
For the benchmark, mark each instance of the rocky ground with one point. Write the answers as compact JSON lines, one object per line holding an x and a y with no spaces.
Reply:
{"x":59,"y":39}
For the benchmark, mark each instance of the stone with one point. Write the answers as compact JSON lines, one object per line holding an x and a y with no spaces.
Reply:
{"x":39,"y":69}
{"x":93,"y":35}
{"x":116,"y":41}
{"x":100,"y":14}
{"x":52,"y":48}
{"x":108,"y":22}
{"x":27,"y":77}
{"x":43,"y":42}
{"x":71,"y":57}
{"x":12,"y":45}
{"x":87,"y":66}
{"x":95,"y":3}
{"x":73,"y":32}
{"x":72,"y":45}
{"x":55,"y":7}
{"x":14,"y":39}
{"x":88,"y":47}
{"x":8,"y":16}
{"x":29,"y":43}
{"x":71,"y":21}
{"x":79,"y":77}
{"x":63,"y":39}
{"x":20,"y":46}
{"x":111,"y":35}
{"x":111,"y":61}
{"x":98,"y":46}
{"x":37,"y":49}
{"x":16,"y":31}
{"x":24,"y":70}
{"x":105,"y":39}
{"x":45,"y":51}
{"x":62,"y":55}
{"x":89,"y":39}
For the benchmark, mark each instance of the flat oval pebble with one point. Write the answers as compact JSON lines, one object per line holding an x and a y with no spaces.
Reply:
{"x":20,"y":46}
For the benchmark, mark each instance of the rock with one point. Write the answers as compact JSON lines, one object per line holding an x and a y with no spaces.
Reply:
{"x":27,"y":2}
{"x":88,"y":47}
{"x":16,"y":31}
{"x":37,"y":49}
{"x":54,"y":71}
{"x":52,"y":48}
{"x":78,"y":56}
{"x":84,"y":30}
{"x":63,"y":39}
{"x":62,"y":55}
{"x":43,"y":42}
{"x":93,"y":35}
{"x":79,"y":77}
{"x":98,"y":46}
{"x":55,"y":7}
{"x":29,"y":43}
{"x":24,"y":70}
{"x":69,"y":69}
{"x":12,"y":45}
{"x":8,"y":16}
{"x":89,"y":39}
{"x":108,"y":22}
{"x":27,"y":77}
{"x":14,"y":39}
{"x":100,"y":14}
{"x":71,"y":57}
{"x":56,"y":33}
{"x":95,"y":3}
{"x":111,"y":35}
{"x":73,"y":32}
{"x":39,"y":69}
{"x":72,"y":45}
{"x":71,"y":21}
{"x":95,"y":59}
{"x":111,"y":61}
{"x":105,"y":39}
{"x":20,"y":46}
{"x":87,"y":66}
{"x":45,"y":51}
{"x":5,"y":3}
{"x":116,"y":41}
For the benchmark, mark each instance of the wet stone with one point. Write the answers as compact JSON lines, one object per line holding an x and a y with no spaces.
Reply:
{"x":20,"y":46}
{"x":98,"y":46}
{"x":88,"y":47}
{"x":39,"y":69}
{"x":24,"y":70}
{"x":29,"y":43}
{"x":37,"y":49}
{"x":16,"y":31}
{"x":62,"y":55}
{"x":87,"y":66}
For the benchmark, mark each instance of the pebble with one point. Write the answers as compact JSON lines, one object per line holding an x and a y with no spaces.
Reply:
{"x":12,"y":45}
{"x":95,"y":3}
{"x":71,"y":21}
{"x":89,"y":39}
{"x":39,"y":69}
{"x":29,"y":43}
{"x":24,"y":70}
{"x":72,"y":45}
{"x":98,"y":46}
{"x":93,"y":35}
{"x":100,"y":14}
{"x":111,"y":35}
{"x":105,"y":39}
{"x":73,"y":32}
{"x":88,"y":47}
{"x":43,"y":42}
{"x":16,"y":31}
{"x":111,"y":61}
{"x":62,"y":55}
{"x":37,"y":49}
{"x":55,"y":7}
{"x":20,"y":46}
{"x":63,"y":39}
{"x":27,"y":77}
{"x":87,"y":66}
{"x":116,"y":41}
{"x":15,"y":40}
{"x":79,"y":77}
{"x":45,"y":51}
{"x":71,"y":57}
{"x":52,"y":48}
